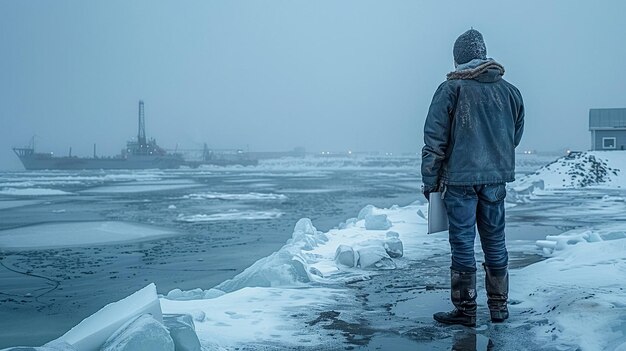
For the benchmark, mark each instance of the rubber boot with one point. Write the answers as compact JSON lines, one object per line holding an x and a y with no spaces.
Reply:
{"x":497,"y":286}
{"x":463,"y":296}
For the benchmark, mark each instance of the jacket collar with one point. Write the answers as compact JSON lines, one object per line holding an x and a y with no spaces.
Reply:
{"x":482,"y":70}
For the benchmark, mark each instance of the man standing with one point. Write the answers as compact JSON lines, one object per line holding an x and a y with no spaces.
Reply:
{"x":474,"y":123}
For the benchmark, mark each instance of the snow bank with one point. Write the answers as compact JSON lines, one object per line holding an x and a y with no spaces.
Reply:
{"x":600,"y":169}
{"x":584,"y":280}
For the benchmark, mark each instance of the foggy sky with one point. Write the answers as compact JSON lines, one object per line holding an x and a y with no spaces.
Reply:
{"x":273,"y":75}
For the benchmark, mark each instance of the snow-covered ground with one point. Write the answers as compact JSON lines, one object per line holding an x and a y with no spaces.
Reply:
{"x":583,"y":280}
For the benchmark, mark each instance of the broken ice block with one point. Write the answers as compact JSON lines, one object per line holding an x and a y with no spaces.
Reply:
{"x":183,"y":332}
{"x":144,"y":333}
{"x":377,"y":222}
{"x":345,"y":255}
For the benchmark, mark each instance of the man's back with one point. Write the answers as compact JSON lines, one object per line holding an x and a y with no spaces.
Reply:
{"x":472,"y":129}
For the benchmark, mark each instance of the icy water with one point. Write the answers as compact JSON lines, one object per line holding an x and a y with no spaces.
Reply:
{"x":209,"y":226}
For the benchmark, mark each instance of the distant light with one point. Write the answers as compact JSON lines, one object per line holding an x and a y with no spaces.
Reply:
{"x":349,"y":152}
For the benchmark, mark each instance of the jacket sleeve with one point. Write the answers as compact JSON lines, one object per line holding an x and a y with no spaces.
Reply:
{"x":519,"y":121}
{"x":437,"y":134}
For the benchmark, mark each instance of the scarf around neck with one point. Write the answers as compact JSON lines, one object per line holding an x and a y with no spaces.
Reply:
{"x":474,"y":68}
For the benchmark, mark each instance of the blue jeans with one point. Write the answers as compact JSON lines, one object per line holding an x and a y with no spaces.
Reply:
{"x":473,"y":206}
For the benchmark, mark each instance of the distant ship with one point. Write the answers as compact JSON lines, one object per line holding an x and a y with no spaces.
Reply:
{"x":138,"y":154}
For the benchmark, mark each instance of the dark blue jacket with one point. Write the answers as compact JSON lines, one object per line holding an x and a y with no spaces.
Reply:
{"x":471,"y":131}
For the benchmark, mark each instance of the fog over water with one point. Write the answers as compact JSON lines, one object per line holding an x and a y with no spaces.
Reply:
{"x":273,"y":75}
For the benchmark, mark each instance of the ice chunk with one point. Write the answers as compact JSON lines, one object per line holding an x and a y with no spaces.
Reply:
{"x":377,"y":222}
{"x":316,"y":272}
{"x":94,"y":330}
{"x":198,"y":315}
{"x":546,"y":245}
{"x":306,"y":235}
{"x":285,"y":267}
{"x":593,"y":237}
{"x":374,"y":256}
{"x":171,"y":207}
{"x":143,"y":333}
{"x":421,"y":214}
{"x":391,"y":235}
{"x":195,"y":294}
{"x":304,"y":226}
{"x":350,"y":222}
{"x":365,"y":211}
{"x":346,"y":256}
{"x":394,"y":247}
{"x":183,"y":332}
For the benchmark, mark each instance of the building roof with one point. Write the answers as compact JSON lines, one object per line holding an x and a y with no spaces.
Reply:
{"x":607,"y":118}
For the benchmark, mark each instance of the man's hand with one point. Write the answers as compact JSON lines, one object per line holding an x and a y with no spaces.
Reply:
{"x":427,"y":189}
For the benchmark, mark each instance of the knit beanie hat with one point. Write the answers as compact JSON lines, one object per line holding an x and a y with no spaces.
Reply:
{"x":468,"y":46}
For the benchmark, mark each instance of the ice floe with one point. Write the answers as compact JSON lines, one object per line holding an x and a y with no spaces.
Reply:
{"x":32,"y":192}
{"x":232,"y":215}
{"x":6,"y":204}
{"x":55,"y":235}
{"x":141,"y":187}
{"x":244,"y":197}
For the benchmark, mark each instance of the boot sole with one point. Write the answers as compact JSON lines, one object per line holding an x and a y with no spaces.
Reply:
{"x":499,"y":317}
{"x":470,"y":324}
